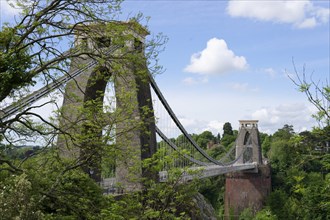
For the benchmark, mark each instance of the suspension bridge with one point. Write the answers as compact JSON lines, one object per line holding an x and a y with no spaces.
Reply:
{"x":84,"y":84}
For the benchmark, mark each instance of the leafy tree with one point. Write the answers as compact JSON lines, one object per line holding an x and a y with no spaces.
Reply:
{"x":46,"y":187}
{"x":204,"y":138}
{"x":218,"y":138}
{"x":217,"y":151}
{"x":15,"y":199}
{"x":228,"y":141}
{"x":281,"y":155}
{"x":227,"y":129}
{"x":266,"y":145}
{"x":14,"y":64}
{"x":284,"y":133}
{"x":300,"y":174}
{"x":277,"y":202}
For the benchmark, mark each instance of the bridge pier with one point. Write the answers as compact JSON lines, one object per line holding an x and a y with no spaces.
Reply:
{"x":246,"y":190}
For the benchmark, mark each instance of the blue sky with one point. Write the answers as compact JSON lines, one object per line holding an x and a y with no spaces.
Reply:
{"x":229,"y":60}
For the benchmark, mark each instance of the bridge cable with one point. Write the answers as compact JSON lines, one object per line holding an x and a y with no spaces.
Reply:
{"x":33,"y":97}
{"x":177,"y":122}
{"x":172,"y":145}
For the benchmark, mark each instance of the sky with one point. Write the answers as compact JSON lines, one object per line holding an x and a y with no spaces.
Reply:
{"x":229,"y":60}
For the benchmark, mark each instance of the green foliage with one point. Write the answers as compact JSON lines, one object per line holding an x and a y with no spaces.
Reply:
{"x":204,"y":138}
{"x":217,"y":152}
{"x":265,"y":214}
{"x":247,"y":214}
{"x":227,"y":129}
{"x":63,"y":191}
{"x":17,"y":200}
{"x":277,"y":202}
{"x":170,"y":200}
{"x":14,"y":63}
{"x":228,"y":141}
{"x":229,"y":136}
{"x":300,"y":174}
{"x":51,"y":188}
{"x":280,"y":156}
{"x":265,"y":146}
{"x":213,"y":190}
{"x":284,"y":133}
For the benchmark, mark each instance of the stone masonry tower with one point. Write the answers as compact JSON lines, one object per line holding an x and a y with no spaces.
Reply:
{"x":247,"y":189}
{"x":118,"y":50}
{"x":248,"y":142}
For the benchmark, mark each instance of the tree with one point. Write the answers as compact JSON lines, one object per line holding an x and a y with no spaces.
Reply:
{"x":284,"y":133}
{"x":218,"y":138}
{"x":265,"y":145}
{"x":300,"y":171}
{"x":316,"y":93}
{"x":227,"y":129}
{"x":204,"y":138}
{"x":313,"y":150}
{"x":14,"y":64}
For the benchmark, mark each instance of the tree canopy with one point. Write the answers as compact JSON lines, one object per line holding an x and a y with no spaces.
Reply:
{"x":227,"y":129}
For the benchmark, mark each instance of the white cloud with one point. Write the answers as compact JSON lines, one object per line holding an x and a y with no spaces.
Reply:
{"x":187,"y":122}
{"x":193,"y":125}
{"x":307,"y":23}
{"x":302,"y":14}
{"x":198,"y":126}
{"x":297,"y":114}
{"x":195,"y":81}
{"x":242,"y":87}
{"x":323,"y":14}
{"x":215,"y":127}
{"x":271,"y":72}
{"x":216,"y":58}
{"x":239,"y":86}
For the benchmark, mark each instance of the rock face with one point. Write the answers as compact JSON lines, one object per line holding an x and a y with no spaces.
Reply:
{"x":204,"y":210}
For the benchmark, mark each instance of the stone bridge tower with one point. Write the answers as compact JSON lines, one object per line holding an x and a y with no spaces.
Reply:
{"x":247,"y":189}
{"x":119,"y":47}
{"x":248,"y":146}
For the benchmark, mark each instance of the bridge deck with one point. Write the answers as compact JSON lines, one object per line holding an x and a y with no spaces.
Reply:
{"x":110,"y":184}
{"x":210,"y":171}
